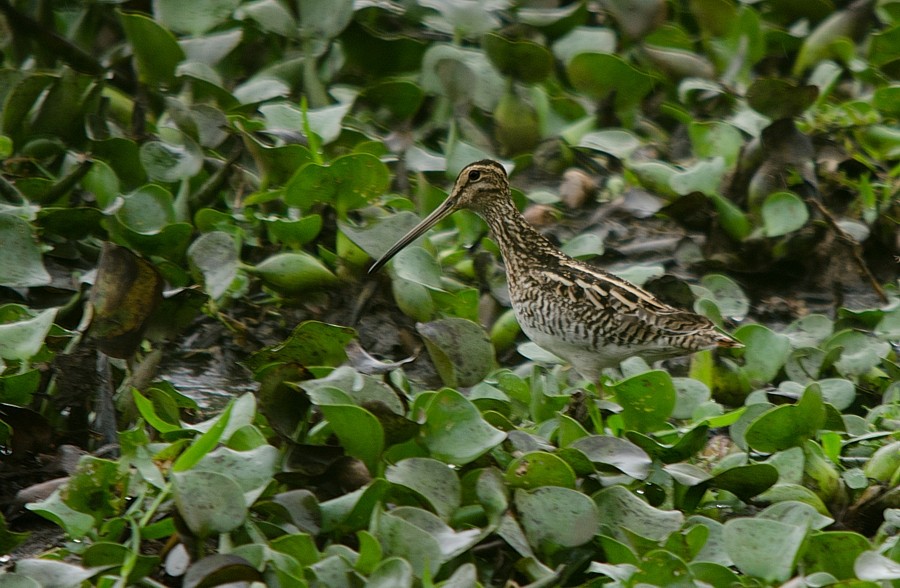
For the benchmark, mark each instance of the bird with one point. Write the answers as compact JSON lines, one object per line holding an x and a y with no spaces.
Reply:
{"x":580,"y":313}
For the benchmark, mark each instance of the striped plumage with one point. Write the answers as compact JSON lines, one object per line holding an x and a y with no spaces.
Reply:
{"x":581,"y":313}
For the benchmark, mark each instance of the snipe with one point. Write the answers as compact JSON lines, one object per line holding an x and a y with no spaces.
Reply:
{"x":583,"y":314}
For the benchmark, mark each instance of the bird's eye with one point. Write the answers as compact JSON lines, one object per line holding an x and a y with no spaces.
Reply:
{"x":474,"y":175}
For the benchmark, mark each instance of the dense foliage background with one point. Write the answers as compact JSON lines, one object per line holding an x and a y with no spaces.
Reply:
{"x":213,"y":177}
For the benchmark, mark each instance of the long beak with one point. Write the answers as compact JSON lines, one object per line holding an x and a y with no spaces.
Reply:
{"x":446,"y":209}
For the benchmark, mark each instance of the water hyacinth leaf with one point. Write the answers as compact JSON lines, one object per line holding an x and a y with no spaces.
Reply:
{"x":326,"y":122}
{"x":555,"y":518}
{"x":102,"y":182}
{"x":193,"y":18}
{"x":678,"y":63}
{"x":704,"y":177}
{"x":214,"y":257}
{"x":764,"y":548}
{"x":293,"y":273}
{"x":728,"y":296}
{"x":538,"y":468}
{"x":690,"y":394}
{"x":860,"y":353}
{"x":662,"y":568}
{"x":712,"y":138}
{"x":809,"y":331}
{"x":312,"y":343}
{"x":747,"y":481}
{"x":393,"y":572}
{"x":358,"y":430}
{"x":835,"y":552}
{"x":598,"y":75}
{"x":783,"y":213}
{"x":622,"y":511}
{"x":294,"y":233}
{"x":414,"y":264}
{"x":465,"y":19}
{"x":169,"y":162}
{"x":460,"y":349}
{"x":616,"y":142}
{"x":21,"y":264}
{"x":401,"y":97}
{"x":22,"y":340}
{"x":422,"y":538}
{"x":156,"y":52}
{"x":349,"y":182}
{"x":225,"y":569}
{"x":324,"y":21}
{"x":148,"y":210}
{"x":433,"y":480}
{"x":454,"y":430}
{"x":777,"y":98}
{"x":689,"y":444}
{"x":471,"y":72}
{"x":353,"y":511}
{"x":522,"y":60}
{"x":874,"y":567}
{"x":647,"y":400}
{"x":209,"y":502}
{"x":787,"y":426}
{"x":766,"y":351}
{"x":75,"y":523}
{"x":733,"y":220}
{"x":584,"y":40}
{"x":45,"y":572}
{"x":252,"y":470}
{"x":622,"y":455}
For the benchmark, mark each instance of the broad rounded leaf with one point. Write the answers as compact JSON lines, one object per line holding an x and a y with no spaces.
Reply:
{"x":209,"y":502}
{"x":555,"y":518}
{"x":539,"y":468}
{"x":763,"y":548}
{"x":156,"y":51}
{"x":21,"y":265}
{"x":215,"y":256}
{"x":647,"y":400}
{"x":454,"y":430}
{"x":783,"y":213}
{"x":436,"y":482}
{"x":23,"y":339}
{"x":620,"y":510}
{"x":619,"y":453}
{"x":460,"y":349}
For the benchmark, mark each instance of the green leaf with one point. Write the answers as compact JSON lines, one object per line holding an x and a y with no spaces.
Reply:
{"x":454,"y":430}
{"x":351,"y":181}
{"x":21,"y":265}
{"x":311,"y":343}
{"x":783,"y":213}
{"x":766,"y":351}
{"x":22,"y":340}
{"x":433,"y":480}
{"x":194,"y":18}
{"x":616,"y":142}
{"x":555,"y":518}
{"x":204,"y":443}
{"x":598,"y":75}
{"x":214,"y":257}
{"x":622,"y":511}
{"x":156,"y":52}
{"x":647,"y":400}
{"x":358,"y":430}
{"x":522,"y":60}
{"x":787,"y":426}
{"x":209,"y":502}
{"x":618,"y":453}
{"x":460,"y":349}
{"x":539,"y":468}
{"x":763,"y":548}
{"x":874,"y":567}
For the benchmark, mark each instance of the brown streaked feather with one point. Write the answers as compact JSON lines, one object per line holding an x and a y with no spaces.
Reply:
{"x":588,"y":316}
